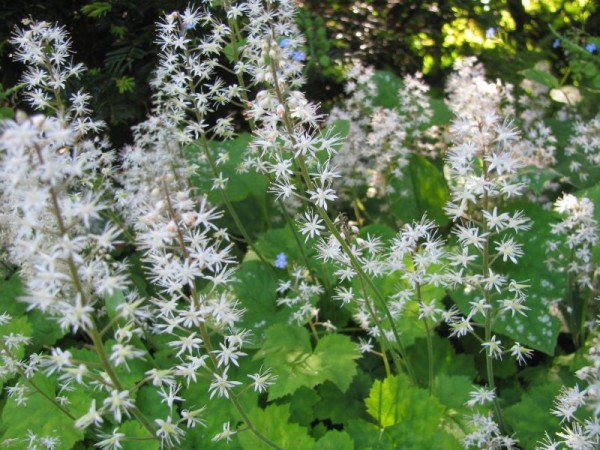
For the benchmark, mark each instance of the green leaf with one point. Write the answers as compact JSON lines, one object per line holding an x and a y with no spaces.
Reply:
{"x":412,"y":328}
{"x":149,"y":401}
{"x":273,"y":422}
{"x":368,"y":436}
{"x":539,"y":76}
{"x":377,"y":229}
{"x":281,"y":240}
{"x":10,"y":291}
{"x":301,"y":405}
{"x":16,"y":326}
{"x":239,"y":185}
{"x":446,"y":360}
{"x":453,"y":390}
{"x":336,"y":406}
{"x":45,"y":330}
{"x":530,"y":418}
{"x":407,"y":439}
{"x":339,"y":128}
{"x":218,"y":411}
{"x":337,"y":354}
{"x":421,"y":190}
{"x":388,"y":85}
{"x":335,"y":440}
{"x":441,"y":113}
{"x":255,"y":288}
{"x":6,"y":113}
{"x":39,"y":416}
{"x":133,"y":429}
{"x":393,"y":401}
{"x":288,"y":352}
{"x":536,"y":177}
{"x":229,"y":53}
{"x":135,"y":369}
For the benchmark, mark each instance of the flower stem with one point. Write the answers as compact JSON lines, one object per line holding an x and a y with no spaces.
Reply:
{"x":489,"y":361}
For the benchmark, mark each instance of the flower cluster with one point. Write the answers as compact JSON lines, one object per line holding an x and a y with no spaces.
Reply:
{"x":584,"y":149}
{"x":580,"y":230}
{"x":381,"y":139}
{"x":579,"y":431}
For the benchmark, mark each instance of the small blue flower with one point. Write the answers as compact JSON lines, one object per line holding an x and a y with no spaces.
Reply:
{"x":281,"y":261}
{"x":556,"y":43}
{"x":285,"y":43}
{"x":490,"y":33}
{"x":298,"y":56}
{"x":591,"y":47}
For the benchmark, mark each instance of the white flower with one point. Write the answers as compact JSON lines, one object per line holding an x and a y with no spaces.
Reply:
{"x":311,"y":226}
{"x":168,"y":432}
{"x":111,"y":441}
{"x":520,"y":352}
{"x":118,"y":403}
{"x":262,"y":380}
{"x":226,"y":434}
{"x":221,"y":385}
{"x":481,"y":395}
{"x":321,"y":195}
{"x":89,"y":418}
{"x":493,"y":347}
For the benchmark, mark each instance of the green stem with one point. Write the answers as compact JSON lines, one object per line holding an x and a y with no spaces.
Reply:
{"x":235,"y":37}
{"x":313,"y":330}
{"x":489,"y":362}
{"x":429,"y":341}
{"x":99,"y":347}
{"x":582,"y":332}
{"x":386,"y":363}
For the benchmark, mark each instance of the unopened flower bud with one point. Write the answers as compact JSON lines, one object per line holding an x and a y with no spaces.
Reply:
{"x":280,"y":110}
{"x":172,"y":227}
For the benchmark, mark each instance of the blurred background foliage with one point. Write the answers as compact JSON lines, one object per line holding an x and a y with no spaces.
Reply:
{"x":115,"y":39}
